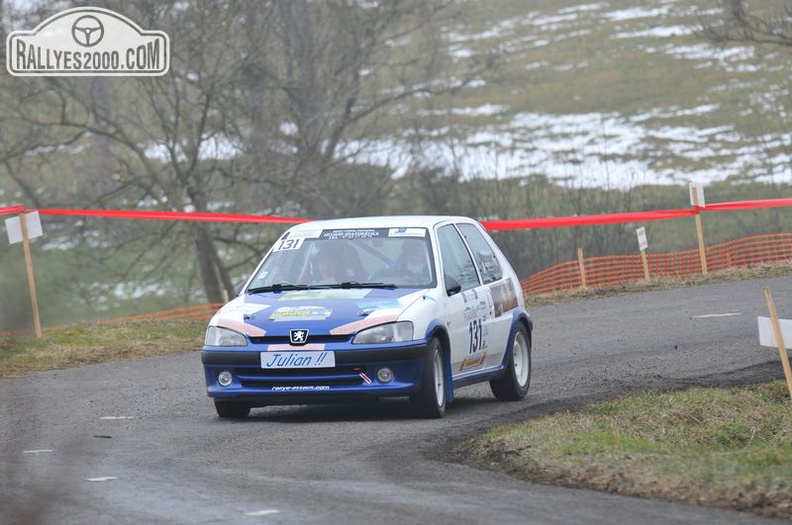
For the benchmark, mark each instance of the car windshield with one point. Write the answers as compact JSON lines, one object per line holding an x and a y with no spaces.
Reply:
{"x":348,"y":258}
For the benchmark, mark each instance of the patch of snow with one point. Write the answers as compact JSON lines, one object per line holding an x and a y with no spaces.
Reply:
{"x":573,"y":147}
{"x":633,"y":13}
{"x":656,"y":32}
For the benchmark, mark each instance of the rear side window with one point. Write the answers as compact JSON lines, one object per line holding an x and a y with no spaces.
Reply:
{"x":485,"y":258}
{"x":455,"y":258}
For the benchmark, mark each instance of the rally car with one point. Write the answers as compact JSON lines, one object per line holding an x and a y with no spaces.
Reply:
{"x":350,"y":309}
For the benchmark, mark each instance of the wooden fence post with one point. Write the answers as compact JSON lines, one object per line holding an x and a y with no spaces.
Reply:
{"x":779,"y":338}
{"x":582,"y":268}
{"x":31,"y":280}
{"x":645,"y":263}
{"x":694,"y":195}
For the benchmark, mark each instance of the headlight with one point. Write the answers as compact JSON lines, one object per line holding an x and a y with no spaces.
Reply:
{"x":217,"y":336}
{"x":386,"y":333}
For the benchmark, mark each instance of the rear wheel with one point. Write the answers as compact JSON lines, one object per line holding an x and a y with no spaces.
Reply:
{"x":431,"y":402}
{"x":514,"y":385}
{"x":231,"y":409}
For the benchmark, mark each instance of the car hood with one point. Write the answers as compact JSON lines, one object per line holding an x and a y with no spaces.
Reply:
{"x":331,"y":312}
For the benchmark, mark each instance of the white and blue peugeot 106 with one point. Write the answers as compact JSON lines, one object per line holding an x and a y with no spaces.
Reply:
{"x":351,"y":309}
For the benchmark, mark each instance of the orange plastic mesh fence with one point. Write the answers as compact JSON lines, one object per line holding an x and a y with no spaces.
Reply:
{"x":201,"y":311}
{"x":619,"y":269}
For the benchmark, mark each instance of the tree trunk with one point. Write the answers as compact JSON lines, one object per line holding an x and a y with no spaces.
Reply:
{"x":205,"y":252}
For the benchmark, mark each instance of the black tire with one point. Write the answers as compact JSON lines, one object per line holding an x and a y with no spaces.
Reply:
{"x":431,"y":401}
{"x":231,"y":409}
{"x":515,"y":384}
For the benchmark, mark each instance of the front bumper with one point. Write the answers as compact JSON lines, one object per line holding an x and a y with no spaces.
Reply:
{"x":353,"y":377}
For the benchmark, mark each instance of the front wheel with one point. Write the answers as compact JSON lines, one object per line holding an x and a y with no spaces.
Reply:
{"x":231,"y":409}
{"x":431,"y":402}
{"x":514,"y":385}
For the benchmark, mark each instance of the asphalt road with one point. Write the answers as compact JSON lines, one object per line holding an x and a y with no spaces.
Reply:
{"x":138,"y":441}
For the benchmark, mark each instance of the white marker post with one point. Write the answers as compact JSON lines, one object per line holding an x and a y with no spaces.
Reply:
{"x":778,"y":335}
{"x":23,"y":228}
{"x":643,"y":244}
{"x":697,"y":200}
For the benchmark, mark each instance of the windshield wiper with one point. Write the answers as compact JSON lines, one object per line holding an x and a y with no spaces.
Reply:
{"x":278,"y":287}
{"x":356,"y":284}
{"x":282,"y":287}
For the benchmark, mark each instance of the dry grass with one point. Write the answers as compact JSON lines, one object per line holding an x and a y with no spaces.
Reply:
{"x":79,"y":345}
{"x":729,"y":448}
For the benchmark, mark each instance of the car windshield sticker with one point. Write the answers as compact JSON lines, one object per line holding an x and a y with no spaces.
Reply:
{"x":319,"y":295}
{"x":289,"y":244}
{"x":407,"y":232}
{"x":301,"y":313}
{"x":356,"y":233}
{"x":307,"y":234}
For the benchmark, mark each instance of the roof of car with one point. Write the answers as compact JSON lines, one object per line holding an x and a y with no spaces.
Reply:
{"x":391,"y":221}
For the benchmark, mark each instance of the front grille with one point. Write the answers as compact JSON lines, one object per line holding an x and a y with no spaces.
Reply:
{"x":250,"y":383}
{"x":339,"y":376}
{"x":312,"y":339}
{"x":301,"y":372}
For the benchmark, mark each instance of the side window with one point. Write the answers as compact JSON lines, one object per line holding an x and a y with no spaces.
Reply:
{"x":455,"y":257}
{"x":486,"y":260}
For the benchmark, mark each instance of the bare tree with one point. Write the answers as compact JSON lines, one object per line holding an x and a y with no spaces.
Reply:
{"x":269,"y":107}
{"x":765,"y":22}
{"x":345,"y":71}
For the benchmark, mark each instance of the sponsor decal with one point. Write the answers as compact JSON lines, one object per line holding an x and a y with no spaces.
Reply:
{"x":475,"y":360}
{"x":475,"y":311}
{"x":470,"y":295}
{"x":88,"y":41}
{"x":407,"y":232}
{"x":246,"y":309}
{"x":235,"y":314}
{"x":356,"y":233}
{"x":370,"y":306}
{"x":302,"y":313}
{"x":300,"y":388}
{"x":319,"y":295}
{"x":289,"y":244}
{"x":307,"y":234}
{"x":503,"y":296}
{"x":288,"y":360}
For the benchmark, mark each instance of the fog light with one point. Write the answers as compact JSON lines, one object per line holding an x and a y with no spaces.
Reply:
{"x":225,"y":378}
{"x":385,"y":375}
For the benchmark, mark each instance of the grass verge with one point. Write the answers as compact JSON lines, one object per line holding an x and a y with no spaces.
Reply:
{"x":77,"y":345}
{"x":729,"y":448}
